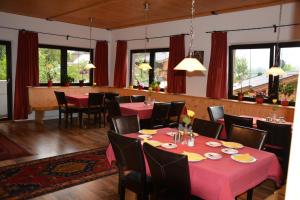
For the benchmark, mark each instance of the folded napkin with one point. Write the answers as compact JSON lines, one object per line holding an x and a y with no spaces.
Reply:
{"x":193,"y":156}
{"x":152,"y":142}
{"x":232,"y":145}
{"x":148,"y":131}
{"x":243,"y":157}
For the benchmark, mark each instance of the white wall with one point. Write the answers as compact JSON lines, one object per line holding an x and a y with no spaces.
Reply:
{"x":42,"y":25}
{"x":196,"y":85}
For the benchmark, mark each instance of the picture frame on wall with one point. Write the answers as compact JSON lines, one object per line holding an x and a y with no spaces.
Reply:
{"x":199,"y":55}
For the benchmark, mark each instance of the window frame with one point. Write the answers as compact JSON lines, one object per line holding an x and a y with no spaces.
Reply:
{"x":64,"y":62}
{"x":151,"y":62}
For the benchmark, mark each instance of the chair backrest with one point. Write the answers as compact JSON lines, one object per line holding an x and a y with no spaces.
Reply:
{"x":207,"y":128}
{"x":126,"y":124}
{"x":176,"y":109}
{"x":232,"y":119}
{"x":278,"y":140}
{"x":110,"y":95}
{"x":113,"y":110}
{"x":215,"y":112}
{"x":128,"y":153}
{"x":159,"y":115}
{"x":249,"y":137}
{"x":96,"y":99}
{"x":169,"y":172}
{"x":61,"y":99}
{"x":123,"y":99}
{"x":138,"y":98}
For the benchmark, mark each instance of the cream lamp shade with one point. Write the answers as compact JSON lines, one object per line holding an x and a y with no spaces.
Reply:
{"x":190,"y":64}
{"x":89,"y":66}
{"x":275,"y":71}
{"x":145,"y":66}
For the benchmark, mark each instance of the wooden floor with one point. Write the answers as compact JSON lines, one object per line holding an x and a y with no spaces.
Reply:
{"x":50,"y":140}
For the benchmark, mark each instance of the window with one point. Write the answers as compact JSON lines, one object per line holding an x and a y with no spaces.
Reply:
{"x":248,"y":65}
{"x":56,"y":62}
{"x":158,"y":59}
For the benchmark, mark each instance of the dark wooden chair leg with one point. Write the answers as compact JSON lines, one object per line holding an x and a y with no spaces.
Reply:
{"x":71,"y":117}
{"x":80,"y":119}
{"x":250,"y":194}
{"x":122,"y":192}
{"x":99,"y":119}
{"x":59,"y":115}
{"x":66,"y":119}
{"x":89,"y":118}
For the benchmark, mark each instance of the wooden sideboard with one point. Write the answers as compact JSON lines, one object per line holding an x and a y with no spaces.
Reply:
{"x":42,"y":99}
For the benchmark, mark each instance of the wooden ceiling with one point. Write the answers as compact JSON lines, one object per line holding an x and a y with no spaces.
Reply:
{"x":114,"y":14}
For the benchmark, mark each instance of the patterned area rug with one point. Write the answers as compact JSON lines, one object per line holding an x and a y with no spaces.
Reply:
{"x":10,"y":149}
{"x":34,"y":178}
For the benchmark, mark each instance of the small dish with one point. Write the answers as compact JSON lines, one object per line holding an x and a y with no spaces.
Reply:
{"x":145,"y":136}
{"x":229,"y":151}
{"x":243,"y":158}
{"x":147,"y":131}
{"x":169,"y":145}
{"x":171,"y":133}
{"x":213,"y":144}
{"x":213,"y":156}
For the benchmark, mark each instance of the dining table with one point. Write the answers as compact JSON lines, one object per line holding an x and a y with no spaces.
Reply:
{"x":79,"y":100}
{"x":221,"y":179}
{"x":144,"y":111}
{"x":223,"y":134}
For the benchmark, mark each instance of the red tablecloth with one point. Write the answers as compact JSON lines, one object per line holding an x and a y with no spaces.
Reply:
{"x":79,"y":100}
{"x":139,"y":108}
{"x":222,"y":179}
{"x":223,"y":134}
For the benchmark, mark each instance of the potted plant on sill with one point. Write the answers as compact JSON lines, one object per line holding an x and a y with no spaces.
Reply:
{"x":287,"y":90}
{"x":50,"y":73}
{"x":66,"y":79}
{"x":259,"y":97}
{"x":155,"y":86}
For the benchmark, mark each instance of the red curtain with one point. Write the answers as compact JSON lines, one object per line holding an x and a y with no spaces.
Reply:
{"x":27,"y":72}
{"x":176,"y":78}
{"x":217,"y":72}
{"x":120,"y":64}
{"x":101,"y":63}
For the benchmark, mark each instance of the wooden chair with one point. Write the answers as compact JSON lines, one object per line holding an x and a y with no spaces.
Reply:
{"x":126,"y":124}
{"x":159,"y":116}
{"x":278,"y":141}
{"x":169,"y":173}
{"x":123,"y":99}
{"x":113,"y":110}
{"x":215,"y":112}
{"x":207,"y":128}
{"x":95,"y":107}
{"x":138,"y":98}
{"x":64,"y":107}
{"x":175,"y":113}
{"x":131,"y":165}
{"x":232,"y":119}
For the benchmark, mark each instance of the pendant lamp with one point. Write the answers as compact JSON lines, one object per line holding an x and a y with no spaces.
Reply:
{"x":90,"y":65}
{"x":189,"y":63}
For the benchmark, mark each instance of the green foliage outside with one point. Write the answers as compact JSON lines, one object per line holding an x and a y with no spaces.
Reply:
{"x":2,"y":62}
{"x":52,"y":57}
{"x":140,"y":76}
{"x":241,"y":71}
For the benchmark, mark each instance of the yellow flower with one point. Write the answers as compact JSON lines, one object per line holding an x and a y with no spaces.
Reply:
{"x":190,"y":113}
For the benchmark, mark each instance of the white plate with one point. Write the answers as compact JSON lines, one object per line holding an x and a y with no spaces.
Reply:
{"x":171,"y":133}
{"x":229,"y":151}
{"x":213,"y":156}
{"x":251,"y":161}
{"x":169,"y":145}
{"x":145,"y":136}
{"x":213,"y":144}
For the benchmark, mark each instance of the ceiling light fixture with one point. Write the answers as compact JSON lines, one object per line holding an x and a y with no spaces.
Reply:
{"x":190,"y":64}
{"x":90,"y":65}
{"x":145,"y":66}
{"x":276,"y":70}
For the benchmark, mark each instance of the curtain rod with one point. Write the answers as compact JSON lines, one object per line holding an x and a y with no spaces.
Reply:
{"x":256,"y":28}
{"x":156,"y":37}
{"x":55,"y":34}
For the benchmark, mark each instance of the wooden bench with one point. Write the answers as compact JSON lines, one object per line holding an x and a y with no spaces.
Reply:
{"x":39,"y":112}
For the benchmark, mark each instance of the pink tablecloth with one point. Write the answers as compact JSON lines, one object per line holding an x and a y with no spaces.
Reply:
{"x":79,"y":100}
{"x":222,"y":179}
{"x":140,"y":109}
{"x":223,"y":134}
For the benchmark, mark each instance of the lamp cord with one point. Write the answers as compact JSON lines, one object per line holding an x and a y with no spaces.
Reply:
{"x":91,"y":20}
{"x":277,"y":62}
{"x":146,"y":9}
{"x":191,"y":28}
